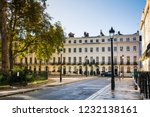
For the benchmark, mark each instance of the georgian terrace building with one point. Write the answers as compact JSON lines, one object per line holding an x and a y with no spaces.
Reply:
{"x":92,"y":55}
{"x":145,"y":30}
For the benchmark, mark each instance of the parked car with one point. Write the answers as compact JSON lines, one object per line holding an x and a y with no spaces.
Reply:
{"x":106,"y":73}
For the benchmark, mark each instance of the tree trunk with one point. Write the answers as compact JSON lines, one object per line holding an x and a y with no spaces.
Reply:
{"x":11,"y":59}
{"x":4,"y":37}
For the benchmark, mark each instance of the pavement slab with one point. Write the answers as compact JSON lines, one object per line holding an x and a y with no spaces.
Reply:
{"x":124,"y":90}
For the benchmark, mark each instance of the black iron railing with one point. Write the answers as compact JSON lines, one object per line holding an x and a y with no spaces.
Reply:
{"x":142,"y":80}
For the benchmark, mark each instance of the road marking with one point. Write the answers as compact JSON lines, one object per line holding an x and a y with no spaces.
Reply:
{"x":98,"y":92}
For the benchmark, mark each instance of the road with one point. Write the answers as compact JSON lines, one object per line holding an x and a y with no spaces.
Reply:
{"x":74,"y":91}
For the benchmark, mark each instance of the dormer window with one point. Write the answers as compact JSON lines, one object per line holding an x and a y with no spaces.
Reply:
{"x":103,"y":40}
{"x":91,"y":41}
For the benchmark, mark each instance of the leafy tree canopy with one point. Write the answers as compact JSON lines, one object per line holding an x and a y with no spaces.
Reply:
{"x":30,"y":29}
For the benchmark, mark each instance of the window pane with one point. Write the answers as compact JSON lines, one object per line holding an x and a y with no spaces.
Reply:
{"x":97,"y":40}
{"x":128,"y":48}
{"x":91,"y":49}
{"x":121,"y":39}
{"x":80,"y":49}
{"x":108,"y":49}
{"x":86,"y":50}
{"x":134,"y":48}
{"x":127,"y":39}
{"x":121,"y":48}
{"x":103,"y":49}
{"x":69,"y":50}
{"x":91,"y":41}
{"x":103,"y":40}
{"x":75,"y":50}
{"x":134,"y":38}
{"x":115,"y":39}
{"x":115,"y":48}
{"x":97,"y":49}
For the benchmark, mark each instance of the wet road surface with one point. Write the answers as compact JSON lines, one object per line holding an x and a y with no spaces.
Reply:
{"x":73,"y":91}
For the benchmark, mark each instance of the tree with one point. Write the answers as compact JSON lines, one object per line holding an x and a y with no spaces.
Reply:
{"x":53,"y":40}
{"x":4,"y":36}
{"x":30,"y":29}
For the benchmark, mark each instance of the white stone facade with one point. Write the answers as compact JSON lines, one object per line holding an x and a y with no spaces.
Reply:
{"x":145,"y":30}
{"x":98,"y":52}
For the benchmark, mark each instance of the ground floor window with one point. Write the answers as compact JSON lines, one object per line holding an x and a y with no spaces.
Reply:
{"x":80,"y":70}
{"x":46,"y":68}
{"x":128,"y":70}
{"x":122,"y":69}
{"x":69,"y":69}
{"x":53,"y":69}
{"x":103,"y":69}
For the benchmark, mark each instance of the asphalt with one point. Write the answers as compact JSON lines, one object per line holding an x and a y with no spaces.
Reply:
{"x":124,"y":89}
{"x":12,"y":90}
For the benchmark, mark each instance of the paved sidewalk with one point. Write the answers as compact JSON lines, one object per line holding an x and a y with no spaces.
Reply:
{"x":124,"y":90}
{"x":56,"y":82}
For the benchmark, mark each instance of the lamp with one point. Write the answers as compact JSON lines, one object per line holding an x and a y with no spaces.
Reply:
{"x":111,"y":33}
{"x":86,"y":65}
{"x":61,"y":51}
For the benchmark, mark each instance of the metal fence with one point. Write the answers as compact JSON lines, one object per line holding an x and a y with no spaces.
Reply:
{"x":142,"y":79}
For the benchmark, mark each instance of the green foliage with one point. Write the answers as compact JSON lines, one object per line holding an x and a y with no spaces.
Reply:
{"x":30,"y":30}
{"x":4,"y":79}
{"x":49,"y":42}
{"x":25,"y":76}
{"x":0,"y":49}
{"x":17,"y":69}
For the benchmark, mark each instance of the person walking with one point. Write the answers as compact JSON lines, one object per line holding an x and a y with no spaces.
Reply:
{"x":121,"y":75}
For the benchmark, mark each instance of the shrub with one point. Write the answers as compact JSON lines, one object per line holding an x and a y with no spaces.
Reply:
{"x":4,"y":78}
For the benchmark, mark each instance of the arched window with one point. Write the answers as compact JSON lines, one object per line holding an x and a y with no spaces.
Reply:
{"x":53,"y":69}
{"x":58,"y":70}
{"x":122,"y":69}
{"x":46,"y":68}
{"x":39,"y":68}
{"x":70,"y":69}
{"x":75,"y":68}
{"x":80,"y":70}
{"x":64,"y":69}
{"x":103,"y":69}
{"x":91,"y":67}
{"x":128,"y":70}
{"x":35,"y":68}
{"x":109,"y":68}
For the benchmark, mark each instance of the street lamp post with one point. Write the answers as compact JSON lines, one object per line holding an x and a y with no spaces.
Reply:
{"x":86,"y":65}
{"x":111,"y":32}
{"x":61,"y":65}
{"x":121,"y":63}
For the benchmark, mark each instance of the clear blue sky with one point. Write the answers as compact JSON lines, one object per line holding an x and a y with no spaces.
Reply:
{"x":78,"y":16}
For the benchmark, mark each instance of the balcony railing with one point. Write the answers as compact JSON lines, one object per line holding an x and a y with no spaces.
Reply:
{"x":80,"y":63}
